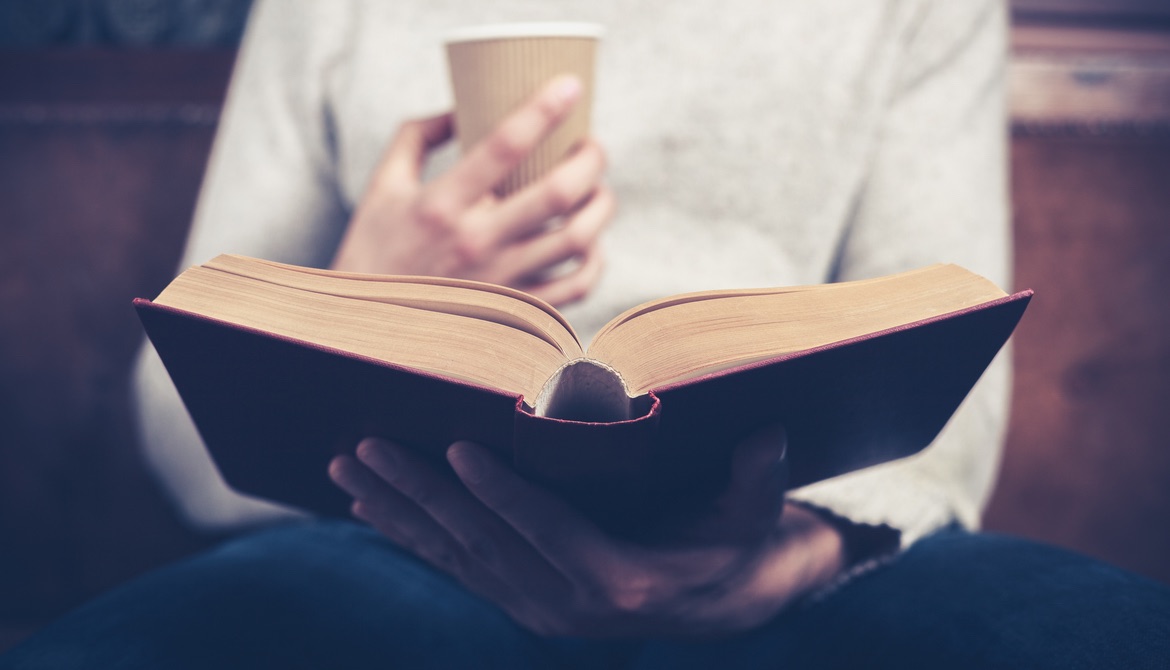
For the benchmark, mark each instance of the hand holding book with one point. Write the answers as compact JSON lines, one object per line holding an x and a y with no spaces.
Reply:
{"x":556,"y":573}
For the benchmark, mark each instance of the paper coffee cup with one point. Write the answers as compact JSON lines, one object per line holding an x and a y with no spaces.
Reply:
{"x":494,"y":68}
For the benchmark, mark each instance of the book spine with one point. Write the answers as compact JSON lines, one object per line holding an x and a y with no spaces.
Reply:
{"x":602,"y":467}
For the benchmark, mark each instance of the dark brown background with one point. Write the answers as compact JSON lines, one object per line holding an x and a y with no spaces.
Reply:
{"x":101,"y":151}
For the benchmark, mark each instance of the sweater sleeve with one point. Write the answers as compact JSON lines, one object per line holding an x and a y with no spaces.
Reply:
{"x":269,"y":192}
{"x":936,"y":192}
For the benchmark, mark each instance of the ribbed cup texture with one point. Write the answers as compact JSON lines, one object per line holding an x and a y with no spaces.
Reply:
{"x":492,"y":77}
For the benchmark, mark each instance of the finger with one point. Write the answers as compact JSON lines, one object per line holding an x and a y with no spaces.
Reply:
{"x":375,"y":502}
{"x":758,"y":459}
{"x":564,"y":189}
{"x":489,"y":543}
{"x":380,"y":513}
{"x":393,"y":514}
{"x":576,"y":237}
{"x":403,"y":522}
{"x":758,"y":469}
{"x":354,"y":479}
{"x":573,"y":286}
{"x":387,"y":508}
{"x":381,"y":516}
{"x":495,"y":156}
{"x":382,"y":506}
{"x":559,"y":533}
{"x":407,"y":152}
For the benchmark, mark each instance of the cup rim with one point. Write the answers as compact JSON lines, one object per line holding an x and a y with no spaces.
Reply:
{"x":495,"y":31}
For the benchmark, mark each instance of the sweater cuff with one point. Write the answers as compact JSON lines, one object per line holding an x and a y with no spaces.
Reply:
{"x":891,"y":496}
{"x":862,"y":543}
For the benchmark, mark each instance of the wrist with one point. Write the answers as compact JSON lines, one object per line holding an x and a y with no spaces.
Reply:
{"x":821,"y":542}
{"x":859,"y":543}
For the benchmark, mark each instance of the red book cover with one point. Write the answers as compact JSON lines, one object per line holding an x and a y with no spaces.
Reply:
{"x":273,"y":411}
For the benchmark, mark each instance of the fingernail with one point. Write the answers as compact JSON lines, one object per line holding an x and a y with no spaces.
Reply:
{"x":335,"y":469}
{"x":342,"y":473}
{"x":358,"y":509}
{"x":371,"y":450}
{"x":567,"y":88}
{"x":466,"y":460}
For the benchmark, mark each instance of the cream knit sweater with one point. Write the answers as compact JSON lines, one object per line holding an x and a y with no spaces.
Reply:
{"x":751,"y":143}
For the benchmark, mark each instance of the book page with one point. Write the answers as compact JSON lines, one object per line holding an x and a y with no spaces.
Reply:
{"x":479,"y":351}
{"x":476,"y":300}
{"x":684,"y":337}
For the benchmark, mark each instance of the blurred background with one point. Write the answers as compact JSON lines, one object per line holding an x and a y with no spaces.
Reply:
{"x":107,"y":113}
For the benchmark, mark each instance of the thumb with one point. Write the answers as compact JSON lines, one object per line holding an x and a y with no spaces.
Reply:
{"x":758,"y":474}
{"x":407,"y":152}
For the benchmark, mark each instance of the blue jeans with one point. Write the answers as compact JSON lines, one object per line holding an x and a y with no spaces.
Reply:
{"x":335,"y":594}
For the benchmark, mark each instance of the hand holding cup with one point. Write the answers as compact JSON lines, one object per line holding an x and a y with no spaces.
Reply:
{"x":495,"y":68}
{"x":456,"y":226}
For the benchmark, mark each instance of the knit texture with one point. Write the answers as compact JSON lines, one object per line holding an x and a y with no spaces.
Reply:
{"x":751,"y":143}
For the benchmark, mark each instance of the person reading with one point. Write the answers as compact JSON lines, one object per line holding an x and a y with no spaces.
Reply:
{"x":754,"y":144}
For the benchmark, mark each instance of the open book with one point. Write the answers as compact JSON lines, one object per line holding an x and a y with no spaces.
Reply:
{"x":282,"y":367}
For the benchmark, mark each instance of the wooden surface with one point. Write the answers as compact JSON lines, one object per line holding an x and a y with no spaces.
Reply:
{"x":1079,"y":82}
{"x":98,"y":177}
{"x":1087,"y":461}
{"x":1093,"y":13}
